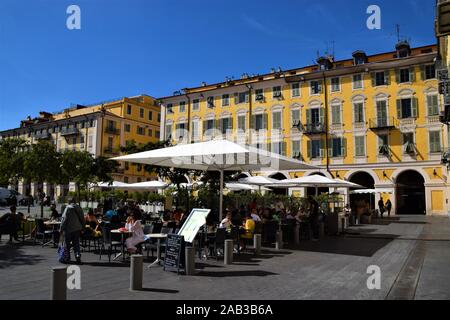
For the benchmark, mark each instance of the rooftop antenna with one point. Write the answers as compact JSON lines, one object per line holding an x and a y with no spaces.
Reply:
{"x":398,"y":32}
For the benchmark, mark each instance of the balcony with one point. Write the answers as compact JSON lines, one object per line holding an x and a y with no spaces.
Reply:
{"x":42,"y":136}
{"x":315,"y":128}
{"x":111,"y":151}
{"x":112,"y":130}
{"x":376,"y":124}
{"x":69,"y":132}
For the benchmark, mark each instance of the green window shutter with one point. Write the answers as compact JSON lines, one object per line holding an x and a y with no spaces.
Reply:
{"x":246,"y":98}
{"x":344,"y":147}
{"x":422,"y":72}
{"x":309,"y":149}
{"x":414,"y":106}
{"x":236,"y":98}
{"x":387,"y":77}
{"x":412,"y":74}
{"x":220,"y":125}
{"x":397,"y":75}
{"x":320,"y":86}
{"x":204,"y":126}
{"x":322,"y":116}
{"x":336,"y":114}
{"x":372,"y":75}
{"x":430,"y":110}
{"x":308,"y":116}
{"x":265,"y":121}
{"x":253,"y":122}
{"x":283,"y":148}
{"x":330,"y":147}
{"x":399,"y":108}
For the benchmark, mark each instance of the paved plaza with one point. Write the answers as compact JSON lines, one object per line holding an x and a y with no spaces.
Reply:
{"x":413,"y":253}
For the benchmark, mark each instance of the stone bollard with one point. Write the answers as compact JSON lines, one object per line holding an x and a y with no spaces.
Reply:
{"x":343,"y":222}
{"x":136,"y":271}
{"x":297,"y":234}
{"x":228,"y":254}
{"x":190,"y":261}
{"x":321,"y":230}
{"x":279,"y":240}
{"x":59,"y":283}
{"x":257,"y":243}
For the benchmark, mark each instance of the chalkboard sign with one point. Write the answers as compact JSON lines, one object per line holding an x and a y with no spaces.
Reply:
{"x":175,"y":255}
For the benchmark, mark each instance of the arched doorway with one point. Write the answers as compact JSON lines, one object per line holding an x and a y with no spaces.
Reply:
{"x":311,"y":191}
{"x":362,"y":201}
{"x":279,"y":176}
{"x":410,"y":190}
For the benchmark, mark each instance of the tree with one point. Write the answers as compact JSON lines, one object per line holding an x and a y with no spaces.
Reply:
{"x":12,"y":153}
{"x":102,"y":168}
{"x":41,"y":163}
{"x":77,"y":166}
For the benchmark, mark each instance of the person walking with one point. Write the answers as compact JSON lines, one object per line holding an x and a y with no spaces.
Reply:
{"x":388,"y":207}
{"x":381,"y":206}
{"x":314,"y":217}
{"x":72,"y":224}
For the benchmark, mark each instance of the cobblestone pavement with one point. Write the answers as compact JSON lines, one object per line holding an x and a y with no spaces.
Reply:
{"x":413,"y":253}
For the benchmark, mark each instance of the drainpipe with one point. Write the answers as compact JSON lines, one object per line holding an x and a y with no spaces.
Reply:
{"x":250,"y":113}
{"x":326,"y":125}
{"x":189,"y":116}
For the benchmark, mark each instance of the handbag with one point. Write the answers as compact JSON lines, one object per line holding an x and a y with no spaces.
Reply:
{"x":63,"y":253}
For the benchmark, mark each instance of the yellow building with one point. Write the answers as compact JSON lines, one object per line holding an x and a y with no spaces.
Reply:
{"x":373,"y":120}
{"x":100,"y":129}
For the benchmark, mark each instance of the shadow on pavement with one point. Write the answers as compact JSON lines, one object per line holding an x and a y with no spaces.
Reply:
{"x":250,"y":273}
{"x":13,"y":255}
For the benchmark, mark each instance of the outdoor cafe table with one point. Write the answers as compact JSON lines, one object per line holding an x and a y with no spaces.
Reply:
{"x":55,"y":225}
{"x":122,"y":240}
{"x":158,"y":237}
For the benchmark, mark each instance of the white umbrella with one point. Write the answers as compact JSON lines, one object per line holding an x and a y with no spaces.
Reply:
{"x":238,"y":187}
{"x":147,"y":185}
{"x":113,"y":184}
{"x":215,"y":155}
{"x":258,"y":181}
{"x":315,"y":181}
{"x":371,"y":191}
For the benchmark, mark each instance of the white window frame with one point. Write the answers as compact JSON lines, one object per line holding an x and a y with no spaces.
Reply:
{"x":296,"y":90}
{"x":364,"y":144}
{"x":310,"y":88}
{"x":362,"y":82}
{"x":331,"y":84}
{"x":225,"y":100}
{"x":182,"y":103}
{"x":196,"y":105}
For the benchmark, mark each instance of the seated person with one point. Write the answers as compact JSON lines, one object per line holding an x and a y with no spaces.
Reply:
{"x":92,"y":223}
{"x":226,"y":222}
{"x":10,"y":223}
{"x":236,"y":219}
{"x":54,"y":215}
{"x":248,"y":229}
{"x":255,"y":215}
{"x":267,"y":217}
{"x":134,"y":225}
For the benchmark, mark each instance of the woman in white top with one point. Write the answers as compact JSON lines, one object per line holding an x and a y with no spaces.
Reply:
{"x":137,"y":236}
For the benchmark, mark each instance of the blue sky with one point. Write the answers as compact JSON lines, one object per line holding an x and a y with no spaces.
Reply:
{"x":129,"y":47}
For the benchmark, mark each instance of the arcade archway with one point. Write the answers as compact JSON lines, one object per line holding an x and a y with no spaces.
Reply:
{"x":362,"y":201}
{"x":410,"y":190}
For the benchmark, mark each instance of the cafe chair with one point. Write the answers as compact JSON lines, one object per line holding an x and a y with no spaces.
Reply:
{"x":42,"y":232}
{"x":108,"y":245}
{"x":218,"y":242}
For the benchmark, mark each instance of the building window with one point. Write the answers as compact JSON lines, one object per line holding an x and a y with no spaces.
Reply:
{"x":159,"y":117}
{"x":139,"y":168}
{"x":196,"y":105}
{"x":276,"y":120}
{"x":225,"y":100}
{"x":435,"y":142}
{"x":169,"y":108}
{"x":150,"y":132}
{"x":407,"y":108}
{"x":295,"y":90}
{"x":168,"y":132}
{"x":336,"y":114}
{"x":405,"y":75}
{"x":360,"y":146}
{"x":382,"y":113}
{"x":432,"y":105}
{"x":337,"y":147}
{"x":225,"y":124}
{"x":335,"y":84}
{"x":125,"y":179}
{"x":141,"y":113}
{"x":157,"y":134}
{"x":314,"y":149}
{"x":358,"y":112}
{"x":295,"y":117}
{"x":129,"y":109}
{"x":279,"y":148}
{"x":182,"y":106}
{"x":180,"y":130}
{"x":141,"y":131}
{"x":210,"y":102}
{"x":110,"y":143}
{"x":259,"y":95}
{"x":82,"y":141}
{"x":296,"y":152}
{"x":357,"y":81}
{"x":241,"y":123}
{"x":195,"y":131}
{"x":260,"y":121}
{"x":430,"y":72}
{"x":276,"y":92}
{"x":242,"y":97}
{"x":127,"y":127}
{"x":315,"y":87}
{"x":150,"y":116}
{"x":380,"y":79}
{"x":127,"y":165}
{"x":315,"y":116}
{"x":408,"y":142}
{"x":208,"y":127}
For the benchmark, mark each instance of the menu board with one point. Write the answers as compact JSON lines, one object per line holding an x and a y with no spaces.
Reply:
{"x":196,"y":219}
{"x":174,"y":258}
